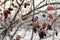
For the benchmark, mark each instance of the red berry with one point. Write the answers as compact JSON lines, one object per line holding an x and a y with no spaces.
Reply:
{"x":18,"y":37}
{"x":6,"y":11}
{"x":44,"y":25}
{"x":49,"y":8}
{"x":50,"y":16}
{"x":36,"y":24}
{"x":35,"y":19}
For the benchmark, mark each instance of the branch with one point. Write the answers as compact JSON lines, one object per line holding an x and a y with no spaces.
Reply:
{"x":55,"y":19}
{"x":40,"y":3}
{"x":47,"y":4}
{"x":4,"y":2}
{"x":36,"y":9}
{"x":18,"y":29}
{"x":5,"y":31}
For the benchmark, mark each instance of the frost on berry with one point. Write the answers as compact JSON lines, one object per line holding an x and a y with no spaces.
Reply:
{"x":49,"y":8}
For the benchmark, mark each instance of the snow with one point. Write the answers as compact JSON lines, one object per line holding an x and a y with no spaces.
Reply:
{"x":26,"y":35}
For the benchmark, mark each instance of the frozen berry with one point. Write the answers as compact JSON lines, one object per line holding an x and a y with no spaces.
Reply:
{"x":35,"y":19}
{"x":50,"y":16}
{"x":49,"y":8}
{"x":44,"y":25}
{"x":18,"y":37}
{"x":36,"y":24}
{"x":6,"y":12}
